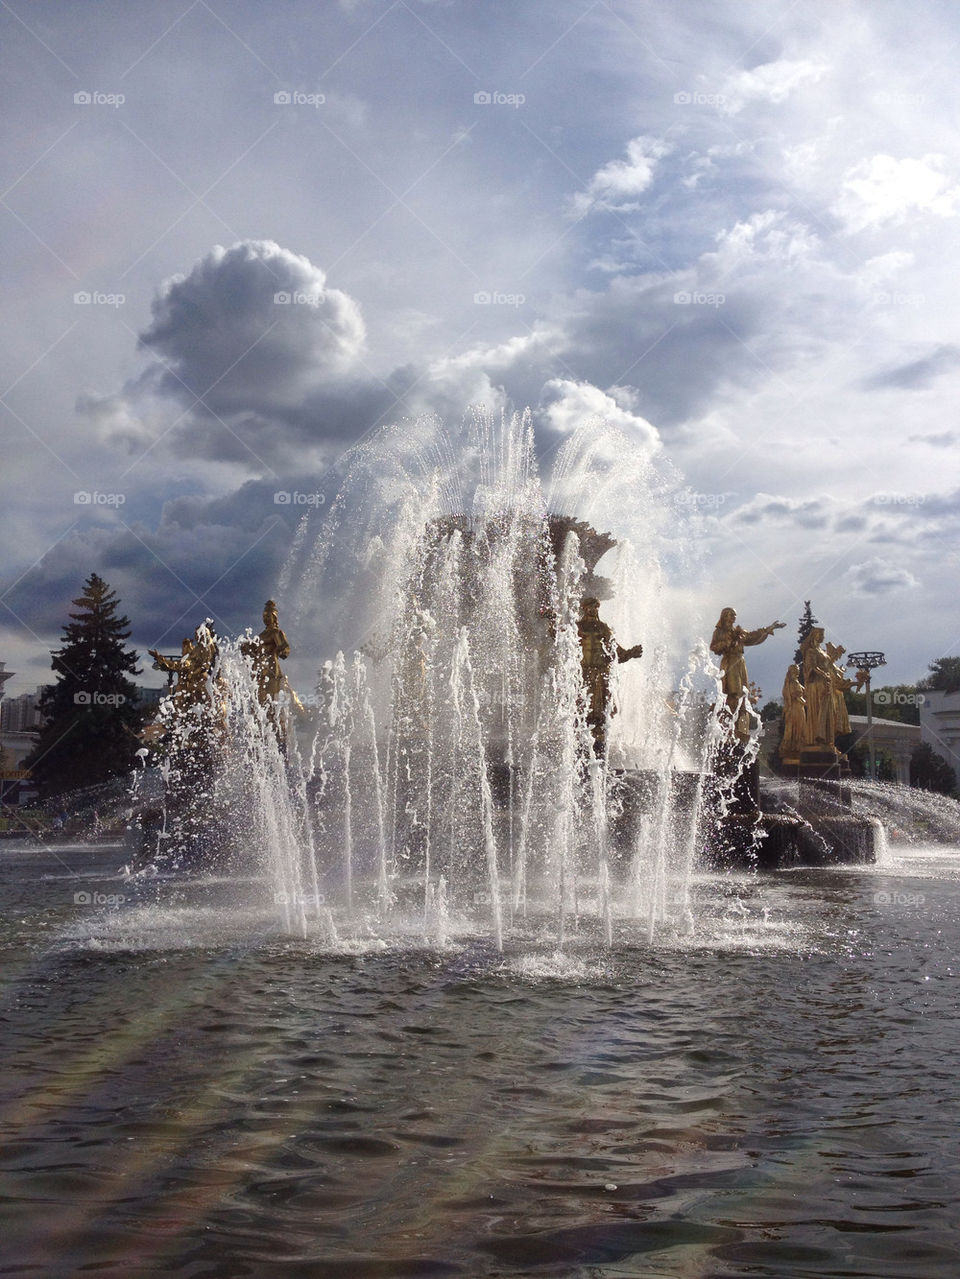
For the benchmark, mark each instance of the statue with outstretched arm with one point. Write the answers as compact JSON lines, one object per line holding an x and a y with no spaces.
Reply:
{"x":728,"y":642}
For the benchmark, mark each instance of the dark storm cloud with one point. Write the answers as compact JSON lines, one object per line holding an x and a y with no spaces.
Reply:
{"x":205,"y":558}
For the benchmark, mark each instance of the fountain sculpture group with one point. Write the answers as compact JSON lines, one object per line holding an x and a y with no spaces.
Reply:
{"x":491,"y":751}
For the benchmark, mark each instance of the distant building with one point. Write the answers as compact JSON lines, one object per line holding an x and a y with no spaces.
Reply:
{"x":940,"y":726}
{"x":897,"y":740}
{"x":22,"y":714}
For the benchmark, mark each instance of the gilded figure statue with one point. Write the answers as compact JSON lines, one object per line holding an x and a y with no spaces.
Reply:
{"x":599,"y":650}
{"x":728,"y":642}
{"x":794,"y":715}
{"x":193,"y":668}
{"x":818,"y":682}
{"x":841,"y":685}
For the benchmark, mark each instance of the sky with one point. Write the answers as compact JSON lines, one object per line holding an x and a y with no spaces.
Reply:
{"x":238,"y":238}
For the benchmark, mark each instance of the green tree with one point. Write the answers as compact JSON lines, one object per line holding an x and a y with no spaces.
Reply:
{"x":899,"y":702}
{"x":807,"y":623}
{"x":930,"y":771}
{"x":91,"y":716}
{"x":944,"y":676}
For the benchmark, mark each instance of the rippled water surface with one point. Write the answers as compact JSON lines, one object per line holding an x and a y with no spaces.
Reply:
{"x":186,"y":1093}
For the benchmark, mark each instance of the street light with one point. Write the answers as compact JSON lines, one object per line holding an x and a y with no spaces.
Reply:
{"x":868,"y":662}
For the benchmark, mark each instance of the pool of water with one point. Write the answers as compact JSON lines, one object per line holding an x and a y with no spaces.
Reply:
{"x":185,"y":1092}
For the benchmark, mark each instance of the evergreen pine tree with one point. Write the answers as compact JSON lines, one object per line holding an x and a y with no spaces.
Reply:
{"x":807,"y":623}
{"x":91,"y":716}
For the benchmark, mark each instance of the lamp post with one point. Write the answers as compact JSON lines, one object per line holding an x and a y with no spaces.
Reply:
{"x":868,"y":662}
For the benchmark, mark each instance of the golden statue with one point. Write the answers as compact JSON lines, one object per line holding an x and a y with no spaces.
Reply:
{"x":266,"y":652}
{"x":818,"y":682}
{"x":841,"y":685}
{"x":794,"y":715}
{"x":728,"y":642}
{"x":599,"y":650}
{"x":193,"y":669}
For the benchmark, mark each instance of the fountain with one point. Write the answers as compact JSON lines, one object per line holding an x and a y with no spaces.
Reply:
{"x":479,"y":752}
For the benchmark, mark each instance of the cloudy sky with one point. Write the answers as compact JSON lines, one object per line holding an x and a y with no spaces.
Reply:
{"x":730,"y":227}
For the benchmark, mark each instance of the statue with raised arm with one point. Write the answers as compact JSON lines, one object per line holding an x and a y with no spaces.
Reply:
{"x":193,"y":668}
{"x":728,"y":642}
{"x":599,"y":650}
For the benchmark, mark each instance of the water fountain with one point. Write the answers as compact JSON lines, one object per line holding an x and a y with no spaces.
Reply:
{"x":477,"y":753}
